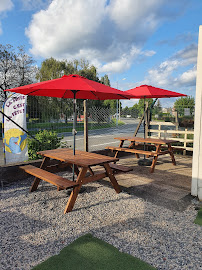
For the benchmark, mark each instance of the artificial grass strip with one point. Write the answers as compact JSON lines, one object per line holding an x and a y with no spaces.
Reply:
{"x":198,"y":219}
{"x":90,"y":253}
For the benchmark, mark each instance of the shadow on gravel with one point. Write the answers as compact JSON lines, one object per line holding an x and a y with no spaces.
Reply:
{"x":156,"y":195}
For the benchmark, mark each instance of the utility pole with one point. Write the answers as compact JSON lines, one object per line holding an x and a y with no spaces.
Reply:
{"x":119,"y":110}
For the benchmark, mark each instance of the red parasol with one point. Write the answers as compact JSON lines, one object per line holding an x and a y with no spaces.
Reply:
{"x":148,"y":91}
{"x":68,"y":85}
{"x":72,"y":86}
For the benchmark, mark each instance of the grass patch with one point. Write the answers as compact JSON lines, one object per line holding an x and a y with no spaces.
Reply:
{"x":88,"y":252}
{"x":198,"y":219}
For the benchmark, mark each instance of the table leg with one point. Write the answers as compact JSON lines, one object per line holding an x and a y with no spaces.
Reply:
{"x":153,"y":164}
{"x":35,"y":184}
{"x":112,"y":178}
{"x":158,"y":149}
{"x":75,"y":191}
{"x":171,"y":154}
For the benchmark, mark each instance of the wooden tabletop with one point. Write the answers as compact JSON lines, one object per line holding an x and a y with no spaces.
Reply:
{"x":146,"y":140}
{"x":81,"y":158}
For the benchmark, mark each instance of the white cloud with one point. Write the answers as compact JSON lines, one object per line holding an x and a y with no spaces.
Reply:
{"x":188,"y":55}
{"x":5,"y":5}
{"x":36,"y":4}
{"x":109,"y":33}
{"x":125,"y":61}
{"x":179,"y":39}
{"x":164,"y":75}
{"x":129,"y":14}
{"x":187,"y":78}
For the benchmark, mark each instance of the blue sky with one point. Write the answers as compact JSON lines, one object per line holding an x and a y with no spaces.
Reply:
{"x":133,"y":41}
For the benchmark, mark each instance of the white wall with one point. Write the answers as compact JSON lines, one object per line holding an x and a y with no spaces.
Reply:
{"x":196,"y":189}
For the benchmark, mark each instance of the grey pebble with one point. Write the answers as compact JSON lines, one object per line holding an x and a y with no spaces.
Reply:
{"x":33,"y":226}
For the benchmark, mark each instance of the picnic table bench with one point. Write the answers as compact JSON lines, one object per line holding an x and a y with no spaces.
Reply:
{"x":137,"y":141}
{"x":82,"y":162}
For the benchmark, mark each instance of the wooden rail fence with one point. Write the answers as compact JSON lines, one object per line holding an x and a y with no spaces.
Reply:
{"x":179,"y":135}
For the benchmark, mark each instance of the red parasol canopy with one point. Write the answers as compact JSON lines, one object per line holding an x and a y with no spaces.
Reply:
{"x":148,"y":91}
{"x":68,"y":85}
{"x":72,"y":86}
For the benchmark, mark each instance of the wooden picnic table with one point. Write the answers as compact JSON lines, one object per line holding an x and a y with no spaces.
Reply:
{"x":136,"y":141}
{"x":82,"y":162}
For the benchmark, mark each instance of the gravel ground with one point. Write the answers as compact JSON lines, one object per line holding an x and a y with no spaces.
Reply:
{"x":33,"y":226}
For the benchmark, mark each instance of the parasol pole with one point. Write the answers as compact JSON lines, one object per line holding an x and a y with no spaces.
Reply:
{"x":74,"y":129}
{"x":144,"y":161}
{"x":144,"y":124}
{"x":74,"y":124}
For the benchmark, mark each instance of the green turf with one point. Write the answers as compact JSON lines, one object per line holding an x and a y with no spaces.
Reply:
{"x":88,"y":252}
{"x":198,"y":219}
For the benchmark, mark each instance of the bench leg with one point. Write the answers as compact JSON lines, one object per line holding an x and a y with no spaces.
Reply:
{"x":75,"y":191}
{"x":171,"y":154}
{"x":112,"y":178}
{"x":35,"y":184}
{"x":116,"y":154}
{"x":120,"y":145}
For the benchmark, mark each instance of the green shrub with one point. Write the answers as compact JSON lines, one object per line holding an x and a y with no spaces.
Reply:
{"x":48,"y":140}
{"x":119,"y":122}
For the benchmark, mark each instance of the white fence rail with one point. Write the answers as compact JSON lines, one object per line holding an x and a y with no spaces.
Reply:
{"x":175,"y":135}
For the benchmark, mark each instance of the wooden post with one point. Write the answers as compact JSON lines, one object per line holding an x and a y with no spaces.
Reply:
{"x":138,"y":126}
{"x":159,"y":133}
{"x":196,"y":188}
{"x":85,"y":126}
{"x":165,"y":134}
{"x":146,"y":119}
{"x":185,"y":142}
{"x":175,"y":113}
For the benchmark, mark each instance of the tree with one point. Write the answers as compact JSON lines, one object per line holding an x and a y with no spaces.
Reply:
{"x":126,"y":111}
{"x":110,"y":103}
{"x":184,"y":102}
{"x":157,"y":110}
{"x":134,"y":111}
{"x":105,"y":80}
{"x":16,"y":68}
{"x":26,"y":69}
{"x":7,"y":69}
{"x":141,"y":105}
{"x":52,"y":68}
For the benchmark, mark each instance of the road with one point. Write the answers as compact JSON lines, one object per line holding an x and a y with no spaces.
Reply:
{"x":99,"y":138}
